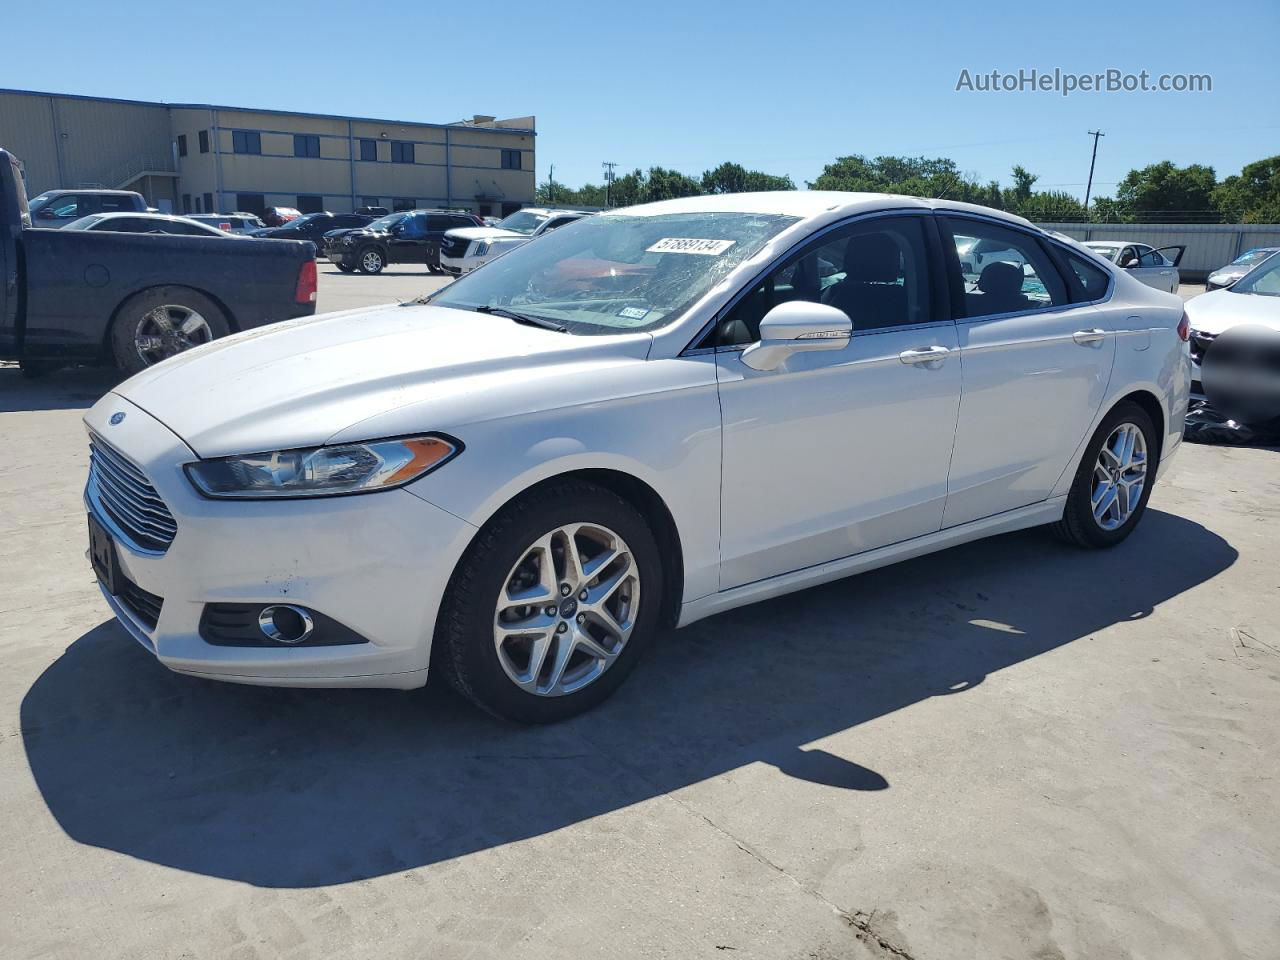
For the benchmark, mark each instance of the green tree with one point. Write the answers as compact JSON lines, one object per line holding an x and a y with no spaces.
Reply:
{"x":734,"y":178}
{"x":1252,"y":196}
{"x":1051,"y":206}
{"x":1023,"y":180}
{"x":1169,"y":191}
{"x":1109,"y":210}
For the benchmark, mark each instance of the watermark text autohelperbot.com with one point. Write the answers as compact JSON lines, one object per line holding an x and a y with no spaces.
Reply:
{"x":1065,"y":83}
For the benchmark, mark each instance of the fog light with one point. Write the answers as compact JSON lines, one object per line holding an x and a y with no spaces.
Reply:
{"x":285,"y":623}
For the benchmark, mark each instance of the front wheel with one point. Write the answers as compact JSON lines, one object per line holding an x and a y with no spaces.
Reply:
{"x":344,"y":268}
{"x":162,"y":322}
{"x":370,"y":260}
{"x":1113,"y":482}
{"x":552,"y":604}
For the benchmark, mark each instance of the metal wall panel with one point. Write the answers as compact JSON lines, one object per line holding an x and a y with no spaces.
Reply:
{"x":1209,"y":245}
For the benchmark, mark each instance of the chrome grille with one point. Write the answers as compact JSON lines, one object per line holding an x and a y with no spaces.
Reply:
{"x":124,"y":494}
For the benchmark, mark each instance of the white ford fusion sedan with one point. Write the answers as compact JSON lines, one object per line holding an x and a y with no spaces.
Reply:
{"x":646,"y":417}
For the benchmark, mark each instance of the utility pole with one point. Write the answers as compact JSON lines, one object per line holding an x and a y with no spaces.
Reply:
{"x":1092,"y":160}
{"x":608,"y":178}
{"x":551,"y":185}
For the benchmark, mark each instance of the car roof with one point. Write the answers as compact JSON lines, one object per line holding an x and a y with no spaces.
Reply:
{"x":118,"y":193}
{"x":806,"y":204}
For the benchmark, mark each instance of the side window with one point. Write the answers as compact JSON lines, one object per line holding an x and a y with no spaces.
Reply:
{"x":438,"y":223}
{"x":1003,"y":270}
{"x":112,"y":204}
{"x":69,"y":207}
{"x":415,"y":226}
{"x":456,"y":222}
{"x":875,"y":271}
{"x":1090,"y":278}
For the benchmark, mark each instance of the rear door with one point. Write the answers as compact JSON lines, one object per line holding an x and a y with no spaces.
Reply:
{"x":1036,"y":366}
{"x":409,"y":240}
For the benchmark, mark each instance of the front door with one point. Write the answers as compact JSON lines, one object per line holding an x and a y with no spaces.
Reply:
{"x":1036,"y":367}
{"x":409,"y":240}
{"x":841,"y":451}
{"x":1153,"y":270}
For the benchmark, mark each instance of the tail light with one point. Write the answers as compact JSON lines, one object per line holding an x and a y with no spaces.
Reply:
{"x":1184,"y":327}
{"x":225,"y":226}
{"x":305,"y":292}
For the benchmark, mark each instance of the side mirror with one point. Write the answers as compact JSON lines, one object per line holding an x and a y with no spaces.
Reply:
{"x":45,"y":213}
{"x":794,"y":327}
{"x":1129,"y":264}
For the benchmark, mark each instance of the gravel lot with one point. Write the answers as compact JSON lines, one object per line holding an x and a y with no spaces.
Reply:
{"x":1012,"y":749}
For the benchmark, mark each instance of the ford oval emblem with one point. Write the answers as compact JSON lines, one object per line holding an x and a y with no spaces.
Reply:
{"x":116,"y":418}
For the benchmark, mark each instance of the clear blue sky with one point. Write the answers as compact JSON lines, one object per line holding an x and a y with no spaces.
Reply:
{"x":782,"y":87}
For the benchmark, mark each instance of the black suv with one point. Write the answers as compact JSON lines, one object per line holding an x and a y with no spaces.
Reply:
{"x":410,"y":236}
{"x":312,"y":226}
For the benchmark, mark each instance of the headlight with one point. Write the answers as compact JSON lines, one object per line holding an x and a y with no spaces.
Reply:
{"x":323,"y":471}
{"x":348,"y":239}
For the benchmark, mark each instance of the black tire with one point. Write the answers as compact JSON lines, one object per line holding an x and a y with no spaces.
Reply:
{"x":124,"y":326}
{"x":370,"y":260}
{"x":1078,"y":525}
{"x":344,"y":268}
{"x":464,"y":641}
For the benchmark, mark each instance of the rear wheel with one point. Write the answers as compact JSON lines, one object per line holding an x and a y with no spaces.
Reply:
{"x":552,"y":604}
{"x":370,"y":260}
{"x":1113,"y":482}
{"x":162,"y":322}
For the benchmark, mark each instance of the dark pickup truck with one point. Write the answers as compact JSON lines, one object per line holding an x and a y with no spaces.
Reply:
{"x":81,"y":295}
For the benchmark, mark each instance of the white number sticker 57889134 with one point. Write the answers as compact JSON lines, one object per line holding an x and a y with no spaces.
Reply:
{"x":710,"y":248}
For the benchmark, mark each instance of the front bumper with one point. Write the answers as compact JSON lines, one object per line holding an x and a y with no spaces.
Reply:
{"x":460,"y":265}
{"x":377,"y":563}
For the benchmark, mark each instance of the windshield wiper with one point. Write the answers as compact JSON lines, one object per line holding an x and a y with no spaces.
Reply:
{"x":526,"y":319}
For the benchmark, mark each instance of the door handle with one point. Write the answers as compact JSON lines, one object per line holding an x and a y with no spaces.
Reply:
{"x":933,"y":354}
{"x":1166,"y":273}
{"x":1088,"y":336}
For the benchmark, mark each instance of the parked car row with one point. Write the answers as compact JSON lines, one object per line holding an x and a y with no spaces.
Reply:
{"x":409,"y":236}
{"x":469,"y":247}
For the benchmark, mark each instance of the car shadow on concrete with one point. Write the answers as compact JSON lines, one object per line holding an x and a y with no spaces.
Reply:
{"x":64,"y":388}
{"x":290,"y":788}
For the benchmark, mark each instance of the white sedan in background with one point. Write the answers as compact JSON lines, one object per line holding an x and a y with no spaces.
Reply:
{"x":146,"y":223}
{"x":465,"y":248}
{"x":660,"y":414}
{"x":1155,"y":267}
{"x":1252,"y":301}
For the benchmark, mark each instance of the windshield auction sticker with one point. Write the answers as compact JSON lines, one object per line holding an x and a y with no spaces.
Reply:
{"x":709,"y":248}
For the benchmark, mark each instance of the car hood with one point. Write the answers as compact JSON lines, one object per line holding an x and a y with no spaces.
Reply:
{"x":1219,"y":310}
{"x":389,"y":370}
{"x":483,"y":233}
{"x":1229,"y":272}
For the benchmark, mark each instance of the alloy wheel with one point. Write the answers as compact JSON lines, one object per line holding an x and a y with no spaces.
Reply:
{"x":371,"y":261}
{"x":566,"y":609}
{"x":168,"y":330}
{"x":1119,"y":476}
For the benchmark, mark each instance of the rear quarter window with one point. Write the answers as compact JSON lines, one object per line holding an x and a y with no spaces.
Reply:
{"x":1088,"y":280}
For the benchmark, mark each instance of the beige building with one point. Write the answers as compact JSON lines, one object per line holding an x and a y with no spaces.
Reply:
{"x":195,"y":158}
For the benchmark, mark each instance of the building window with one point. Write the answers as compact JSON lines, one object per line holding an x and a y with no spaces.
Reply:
{"x":310,"y":204}
{"x":204,"y":141}
{"x":306,"y":145}
{"x":401,"y":151}
{"x":510,"y":159}
{"x":208,"y":203}
{"x":186,"y":203}
{"x":246,"y":141}
{"x":369,"y":202}
{"x":254,"y":203}
{"x":403,"y":203}
{"x":182,"y":144}
{"x":369,"y":150}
